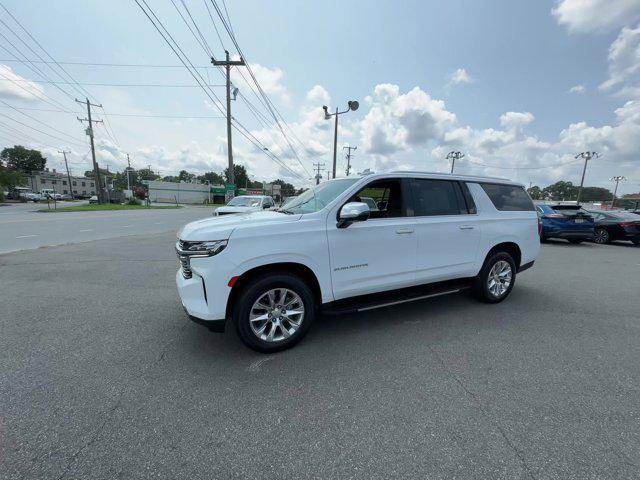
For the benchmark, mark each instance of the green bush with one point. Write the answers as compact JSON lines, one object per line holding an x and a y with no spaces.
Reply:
{"x":134,"y":201}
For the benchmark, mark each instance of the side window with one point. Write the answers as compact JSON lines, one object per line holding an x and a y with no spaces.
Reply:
{"x":384,"y":198}
{"x":437,"y":197}
{"x":468,"y":198}
{"x":508,"y":198}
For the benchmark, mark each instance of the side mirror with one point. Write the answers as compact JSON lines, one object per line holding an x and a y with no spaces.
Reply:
{"x":353,"y":212}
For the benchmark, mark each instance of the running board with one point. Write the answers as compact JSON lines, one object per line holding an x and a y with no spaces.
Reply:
{"x":397,"y":302}
{"x":373,"y":301}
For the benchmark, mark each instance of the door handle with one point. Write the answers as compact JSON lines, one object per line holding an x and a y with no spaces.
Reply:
{"x":466,"y":227}
{"x":404,"y":231}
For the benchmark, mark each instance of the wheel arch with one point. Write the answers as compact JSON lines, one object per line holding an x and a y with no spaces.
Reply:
{"x":295,"y":268}
{"x":512,"y":248}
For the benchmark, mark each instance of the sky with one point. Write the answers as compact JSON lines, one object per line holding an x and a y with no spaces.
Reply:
{"x":520,"y":87}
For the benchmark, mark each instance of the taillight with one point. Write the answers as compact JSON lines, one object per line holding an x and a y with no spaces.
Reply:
{"x":539,"y":227}
{"x":629,"y":224}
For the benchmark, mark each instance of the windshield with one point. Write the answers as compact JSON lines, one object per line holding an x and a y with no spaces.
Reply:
{"x":318,"y":197}
{"x":244,"y":202}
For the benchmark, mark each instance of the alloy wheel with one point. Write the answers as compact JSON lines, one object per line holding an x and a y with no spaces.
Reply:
{"x":499,"y":278}
{"x":276,"y":315}
{"x":601,"y":236}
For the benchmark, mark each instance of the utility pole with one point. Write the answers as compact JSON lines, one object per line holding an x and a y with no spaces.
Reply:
{"x":96,"y":171}
{"x":128,"y":172}
{"x":617,"y":180}
{"x":318,"y":167}
{"x":228,"y":63}
{"x":349,"y":157}
{"x":453,"y":156}
{"x":352,"y":105}
{"x":66,"y":165}
{"x":587,"y":156}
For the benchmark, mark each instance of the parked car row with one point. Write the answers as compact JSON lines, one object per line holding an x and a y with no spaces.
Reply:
{"x":576,"y":224}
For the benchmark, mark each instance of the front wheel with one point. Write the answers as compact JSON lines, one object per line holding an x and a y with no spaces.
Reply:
{"x":274,"y":312}
{"x":496,"y":279}
{"x":601,"y":236}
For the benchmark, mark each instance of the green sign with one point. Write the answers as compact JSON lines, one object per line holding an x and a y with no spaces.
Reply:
{"x":230,"y":187}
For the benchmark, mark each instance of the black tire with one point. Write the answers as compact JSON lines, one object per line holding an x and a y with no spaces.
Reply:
{"x":601,"y":236}
{"x":543,"y":239}
{"x":575,"y":240}
{"x":255,"y":289}
{"x":480,"y":288}
{"x":636,"y":242}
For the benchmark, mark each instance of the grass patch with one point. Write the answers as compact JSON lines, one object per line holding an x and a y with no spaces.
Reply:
{"x":106,"y":206}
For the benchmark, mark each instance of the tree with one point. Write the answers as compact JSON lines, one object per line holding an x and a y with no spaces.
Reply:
{"x":23,"y":159}
{"x":240,"y":174}
{"x":213,"y":177}
{"x":561,"y":191}
{"x":286,"y":189}
{"x":10,"y":178}
{"x":185,"y":176}
{"x":596,"y":194}
{"x":535,"y":193}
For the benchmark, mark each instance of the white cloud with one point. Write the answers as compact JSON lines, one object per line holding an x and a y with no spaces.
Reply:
{"x":582,"y":16}
{"x":396,"y":122}
{"x":624,"y":64}
{"x":580,"y":88}
{"x":269,"y":78}
{"x":14,"y":86}
{"x":460,"y":76}
{"x":516,"y":120}
{"x":318,"y":95}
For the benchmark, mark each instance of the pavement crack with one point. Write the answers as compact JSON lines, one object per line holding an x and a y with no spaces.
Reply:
{"x":107,"y":418}
{"x":477,"y":401}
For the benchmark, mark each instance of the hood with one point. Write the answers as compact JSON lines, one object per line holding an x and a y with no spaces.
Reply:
{"x":238,"y":209}
{"x":220,"y":228}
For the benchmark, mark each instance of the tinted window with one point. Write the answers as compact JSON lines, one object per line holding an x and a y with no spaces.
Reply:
{"x":437,"y":197}
{"x":508,"y":197}
{"x":468,"y":198}
{"x":387,"y":196}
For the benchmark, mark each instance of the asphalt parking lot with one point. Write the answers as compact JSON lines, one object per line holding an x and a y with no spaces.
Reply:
{"x":102,"y":376}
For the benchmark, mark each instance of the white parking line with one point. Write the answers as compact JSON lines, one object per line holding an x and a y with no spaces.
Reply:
{"x":27,"y":236}
{"x":127,"y":226}
{"x":158,"y":223}
{"x":86,"y":230}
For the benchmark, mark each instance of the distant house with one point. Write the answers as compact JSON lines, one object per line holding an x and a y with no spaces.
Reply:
{"x":59,"y":182}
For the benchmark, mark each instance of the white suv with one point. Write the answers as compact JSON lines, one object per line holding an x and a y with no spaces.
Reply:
{"x":270,"y":273}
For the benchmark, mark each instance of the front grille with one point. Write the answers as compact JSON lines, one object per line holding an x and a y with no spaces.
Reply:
{"x":185,"y":267}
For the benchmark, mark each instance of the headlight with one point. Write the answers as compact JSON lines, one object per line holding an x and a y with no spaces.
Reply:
{"x":202,"y":249}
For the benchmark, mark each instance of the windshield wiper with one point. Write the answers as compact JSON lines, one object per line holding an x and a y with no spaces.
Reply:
{"x":285,"y":211}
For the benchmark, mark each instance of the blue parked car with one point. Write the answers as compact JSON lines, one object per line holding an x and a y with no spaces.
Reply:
{"x":570,"y":222}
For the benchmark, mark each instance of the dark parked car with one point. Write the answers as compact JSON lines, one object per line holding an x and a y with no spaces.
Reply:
{"x":570,"y":222}
{"x":616,"y":225}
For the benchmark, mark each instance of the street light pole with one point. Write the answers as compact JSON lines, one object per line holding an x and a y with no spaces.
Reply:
{"x":453,"y":156}
{"x":587,"y":156}
{"x":352,"y":105}
{"x":615,"y":191}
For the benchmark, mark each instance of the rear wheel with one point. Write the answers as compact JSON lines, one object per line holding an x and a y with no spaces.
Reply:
{"x":274,"y":312}
{"x":496,"y":279}
{"x":601,"y":236}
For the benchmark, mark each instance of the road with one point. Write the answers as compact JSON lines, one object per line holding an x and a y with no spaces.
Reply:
{"x":102,"y":376}
{"x":22,"y":227}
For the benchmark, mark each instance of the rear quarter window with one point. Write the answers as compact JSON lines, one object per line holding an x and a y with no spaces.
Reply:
{"x":508,"y":198}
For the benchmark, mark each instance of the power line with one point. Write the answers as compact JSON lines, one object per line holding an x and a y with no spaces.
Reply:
{"x":175,"y":47}
{"x":37,"y":120}
{"x":140,"y":115}
{"x":38,"y":130}
{"x":102,"y":84}
{"x":123,"y":65}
